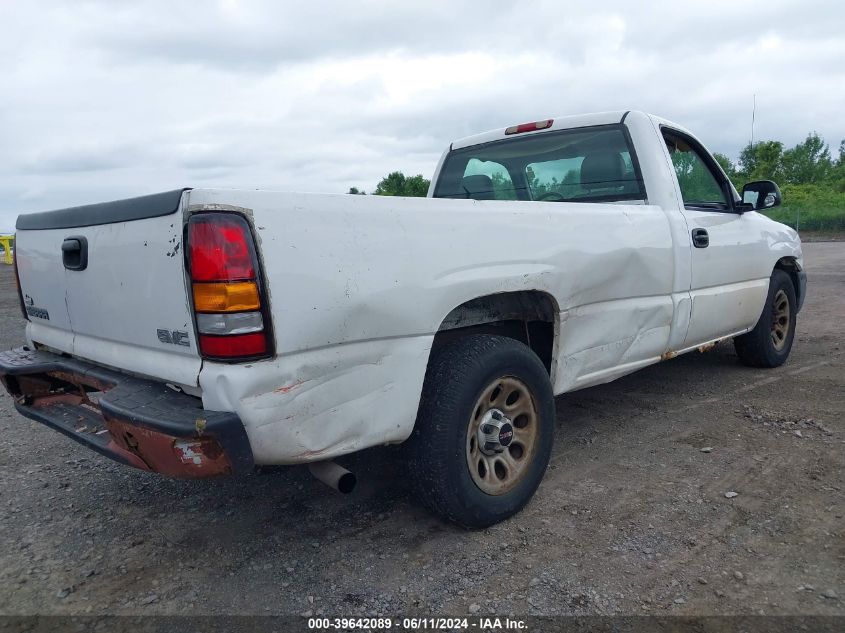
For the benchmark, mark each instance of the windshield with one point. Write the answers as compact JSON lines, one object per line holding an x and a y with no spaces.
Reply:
{"x":581,"y":165}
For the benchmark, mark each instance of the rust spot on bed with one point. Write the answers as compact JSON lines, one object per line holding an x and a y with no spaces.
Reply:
{"x":668,"y":355}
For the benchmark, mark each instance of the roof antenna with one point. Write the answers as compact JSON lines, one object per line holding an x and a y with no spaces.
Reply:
{"x":753,"y":114}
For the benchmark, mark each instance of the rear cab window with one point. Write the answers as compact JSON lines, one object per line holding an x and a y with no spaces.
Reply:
{"x":491,"y":178}
{"x":594,"y":164}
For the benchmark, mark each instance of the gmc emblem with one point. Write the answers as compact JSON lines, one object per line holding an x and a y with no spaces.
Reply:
{"x":174,"y":337}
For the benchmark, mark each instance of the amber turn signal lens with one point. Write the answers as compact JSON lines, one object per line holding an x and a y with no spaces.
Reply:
{"x":222,"y":297}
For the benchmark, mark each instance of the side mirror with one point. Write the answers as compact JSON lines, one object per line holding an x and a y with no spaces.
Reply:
{"x":761,"y":194}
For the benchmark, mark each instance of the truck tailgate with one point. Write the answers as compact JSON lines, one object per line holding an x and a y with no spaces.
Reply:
{"x":127,"y":304}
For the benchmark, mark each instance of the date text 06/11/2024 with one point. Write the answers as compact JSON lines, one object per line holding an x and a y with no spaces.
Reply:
{"x":417,"y":624}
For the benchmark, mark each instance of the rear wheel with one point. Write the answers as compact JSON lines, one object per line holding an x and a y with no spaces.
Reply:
{"x":769,"y":343}
{"x":484,"y":430}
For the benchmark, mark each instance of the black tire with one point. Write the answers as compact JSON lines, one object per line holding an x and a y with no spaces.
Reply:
{"x":758,"y":348}
{"x":458,"y":374}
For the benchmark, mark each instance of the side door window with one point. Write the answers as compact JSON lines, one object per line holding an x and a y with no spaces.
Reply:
{"x":702,"y":186}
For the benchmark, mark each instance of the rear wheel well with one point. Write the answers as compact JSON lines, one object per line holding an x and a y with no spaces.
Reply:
{"x":790,"y":266}
{"x":526,"y":316}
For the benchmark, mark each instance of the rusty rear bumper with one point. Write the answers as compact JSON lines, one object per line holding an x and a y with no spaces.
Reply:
{"x":137,"y":422}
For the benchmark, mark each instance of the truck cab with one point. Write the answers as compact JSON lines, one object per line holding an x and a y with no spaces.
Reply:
{"x":720,"y":241}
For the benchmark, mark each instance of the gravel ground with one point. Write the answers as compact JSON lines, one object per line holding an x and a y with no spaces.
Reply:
{"x":633,"y":517}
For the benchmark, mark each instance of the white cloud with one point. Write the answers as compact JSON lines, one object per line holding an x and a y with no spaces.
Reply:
{"x":104,"y":100}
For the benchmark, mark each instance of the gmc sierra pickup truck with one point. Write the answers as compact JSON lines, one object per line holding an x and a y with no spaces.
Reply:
{"x":203,"y":332}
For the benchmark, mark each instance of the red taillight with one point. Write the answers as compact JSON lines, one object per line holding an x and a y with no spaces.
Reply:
{"x":529,"y":127}
{"x":220,"y":249}
{"x":221,"y":257}
{"x":233,"y":346}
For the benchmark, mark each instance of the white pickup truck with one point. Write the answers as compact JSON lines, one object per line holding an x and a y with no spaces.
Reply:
{"x":202,"y":332}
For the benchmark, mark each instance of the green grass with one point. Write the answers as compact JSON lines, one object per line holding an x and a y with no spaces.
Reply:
{"x":809,"y":218}
{"x":811,"y":208}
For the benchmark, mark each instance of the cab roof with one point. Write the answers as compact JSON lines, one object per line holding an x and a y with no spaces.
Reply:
{"x":559,"y":123}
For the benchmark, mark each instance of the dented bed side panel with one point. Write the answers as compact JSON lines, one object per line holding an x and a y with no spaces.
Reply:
{"x":325,"y":402}
{"x":342,"y":269}
{"x":360,"y":285}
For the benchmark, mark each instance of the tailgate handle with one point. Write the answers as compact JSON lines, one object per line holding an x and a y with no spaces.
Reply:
{"x":75,"y":252}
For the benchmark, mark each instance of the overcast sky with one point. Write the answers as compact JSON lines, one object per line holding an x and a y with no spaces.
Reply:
{"x":102,"y":100}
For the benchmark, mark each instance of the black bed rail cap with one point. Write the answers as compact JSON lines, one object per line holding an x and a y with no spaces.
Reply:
{"x":140,"y":208}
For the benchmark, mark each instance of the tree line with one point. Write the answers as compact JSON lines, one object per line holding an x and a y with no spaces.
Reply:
{"x":811,"y":178}
{"x":398,"y":184}
{"x":808,"y":163}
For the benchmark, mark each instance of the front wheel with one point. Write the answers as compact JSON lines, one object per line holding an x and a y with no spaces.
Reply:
{"x":769,"y":343}
{"x":484,"y":431}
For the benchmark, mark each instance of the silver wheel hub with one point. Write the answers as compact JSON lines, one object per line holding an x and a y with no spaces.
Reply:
{"x":502,"y":435}
{"x":495,"y":432}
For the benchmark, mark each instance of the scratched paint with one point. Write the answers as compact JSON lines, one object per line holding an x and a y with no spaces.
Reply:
{"x":289,"y":388}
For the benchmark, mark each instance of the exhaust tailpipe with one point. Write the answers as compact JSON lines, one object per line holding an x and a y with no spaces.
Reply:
{"x":334,"y":476}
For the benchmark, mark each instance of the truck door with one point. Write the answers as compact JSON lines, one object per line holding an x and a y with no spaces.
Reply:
{"x":726,"y":289}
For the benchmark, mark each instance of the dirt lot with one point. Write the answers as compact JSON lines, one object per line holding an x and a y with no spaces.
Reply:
{"x":632,"y":517}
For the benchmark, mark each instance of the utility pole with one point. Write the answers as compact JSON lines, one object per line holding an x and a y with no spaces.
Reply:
{"x":753,"y":115}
